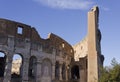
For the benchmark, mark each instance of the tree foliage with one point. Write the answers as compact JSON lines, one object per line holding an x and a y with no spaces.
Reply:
{"x":111,"y":73}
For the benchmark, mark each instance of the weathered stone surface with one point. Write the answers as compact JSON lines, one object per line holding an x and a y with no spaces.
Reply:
{"x":52,"y":59}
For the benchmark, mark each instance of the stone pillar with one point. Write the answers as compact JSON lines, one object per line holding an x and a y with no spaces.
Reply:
{"x":69,"y":73}
{"x":66,"y":73}
{"x":92,"y":45}
{"x":82,"y":75}
{"x":25,"y":68}
{"x":8,"y":67}
{"x":38,"y":73}
{"x":53,"y":63}
{"x":53,"y":72}
{"x":60,"y":72}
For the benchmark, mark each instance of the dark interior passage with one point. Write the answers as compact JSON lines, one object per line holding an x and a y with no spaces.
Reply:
{"x":2,"y":64}
{"x":75,"y":72}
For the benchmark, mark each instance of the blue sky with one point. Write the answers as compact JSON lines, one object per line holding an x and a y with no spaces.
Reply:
{"x":68,"y":19}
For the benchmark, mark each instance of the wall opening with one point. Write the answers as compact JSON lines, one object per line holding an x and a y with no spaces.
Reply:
{"x":75,"y":72}
{"x":20,"y":30}
{"x":63,"y":45}
{"x":57,"y":70}
{"x":63,"y":72}
{"x":16,"y":70}
{"x":2,"y":63}
{"x":46,"y":69}
{"x":32,"y":67}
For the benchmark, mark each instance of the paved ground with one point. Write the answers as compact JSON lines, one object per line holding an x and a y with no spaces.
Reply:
{"x":18,"y":80}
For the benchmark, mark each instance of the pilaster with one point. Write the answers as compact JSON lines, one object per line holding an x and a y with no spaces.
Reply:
{"x":38,"y":73}
{"x":8,"y":67}
{"x":53,"y":72}
{"x":25,"y":70}
{"x":66,"y":73}
{"x":53,"y":63}
{"x":60,"y":72}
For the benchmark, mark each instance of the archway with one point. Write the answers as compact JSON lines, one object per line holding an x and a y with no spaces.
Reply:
{"x":32,"y":67}
{"x":63,"y":71}
{"x":57,"y":70}
{"x":17,"y":66}
{"x":2,"y":63}
{"x":46,"y":71}
{"x":75,"y":72}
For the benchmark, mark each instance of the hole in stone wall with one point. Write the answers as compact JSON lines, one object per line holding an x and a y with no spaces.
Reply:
{"x":81,"y":47}
{"x":16,"y":66}
{"x":2,"y":64}
{"x":63,"y":72}
{"x":32,"y":67}
{"x":63,"y":45}
{"x":20,"y":30}
{"x":75,"y":72}
{"x":57,"y":70}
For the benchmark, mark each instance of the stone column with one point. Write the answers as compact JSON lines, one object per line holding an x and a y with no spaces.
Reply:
{"x":82,"y":75}
{"x":92,"y":45}
{"x":66,"y":73}
{"x":25,"y":67}
{"x":8,"y":68}
{"x":38,"y":73}
{"x":60,"y":72}
{"x":53,"y":72}
{"x":53,"y":63}
{"x":69,"y":76}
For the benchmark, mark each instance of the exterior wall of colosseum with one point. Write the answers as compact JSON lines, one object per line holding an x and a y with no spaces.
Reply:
{"x":40,"y":57}
{"x":52,"y":59}
{"x":81,"y":49}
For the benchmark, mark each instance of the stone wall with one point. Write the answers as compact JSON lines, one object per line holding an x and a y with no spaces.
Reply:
{"x":81,"y":49}
{"x":52,"y":59}
{"x":24,"y":40}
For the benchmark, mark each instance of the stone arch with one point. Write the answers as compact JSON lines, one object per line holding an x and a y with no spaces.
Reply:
{"x":32,"y":67}
{"x":2,"y":63}
{"x":46,"y":67}
{"x":57,"y":67}
{"x":75,"y":72}
{"x":17,"y":66}
{"x":46,"y":70}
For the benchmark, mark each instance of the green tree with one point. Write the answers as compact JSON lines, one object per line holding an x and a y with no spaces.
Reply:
{"x":104,"y":75}
{"x":111,"y":73}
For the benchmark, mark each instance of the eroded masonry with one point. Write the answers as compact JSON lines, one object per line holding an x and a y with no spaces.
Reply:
{"x":52,"y":59}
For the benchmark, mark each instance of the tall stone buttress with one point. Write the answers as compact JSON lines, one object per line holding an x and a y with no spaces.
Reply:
{"x":93,"y":64}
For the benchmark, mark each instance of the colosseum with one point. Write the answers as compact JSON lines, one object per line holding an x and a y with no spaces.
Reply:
{"x":52,"y":59}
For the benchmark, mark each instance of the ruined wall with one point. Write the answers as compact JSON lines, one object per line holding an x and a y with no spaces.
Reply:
{"x":22,"y":39}
{"x":51,"y":59}
{"x":81,"y":49}
{"x":90,"y":47}
{"x":11,"y":28}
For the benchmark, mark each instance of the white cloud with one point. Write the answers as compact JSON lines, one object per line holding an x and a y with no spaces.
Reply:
{"x":67,"y":4}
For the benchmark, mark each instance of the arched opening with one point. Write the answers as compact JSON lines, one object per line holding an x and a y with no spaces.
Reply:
{"x":32,"y":67}
{"x":75,"y":72}
{"x":2,"y":63}
{"x":57,"y":70}
{"x":46,"y":68}
{"x":63,"y":71}
{"x":16,"y":66}
{"x":46,"y":75}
